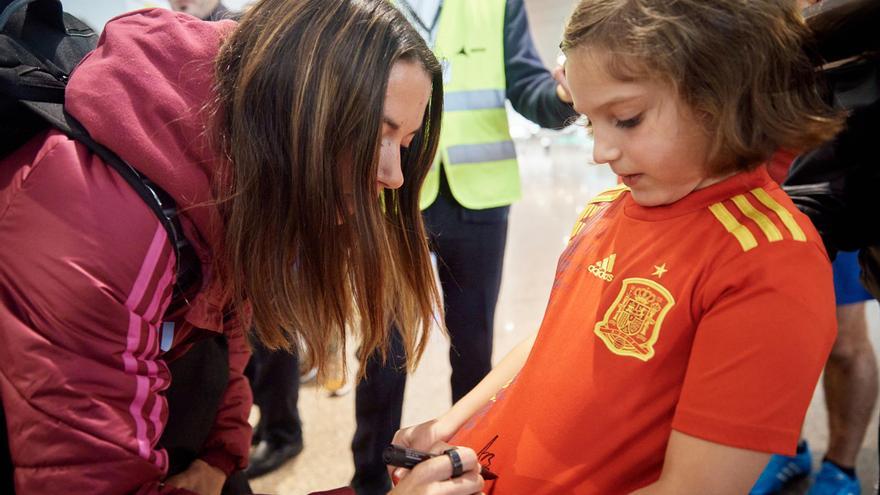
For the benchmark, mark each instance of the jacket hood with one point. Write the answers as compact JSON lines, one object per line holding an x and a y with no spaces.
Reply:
{"x":143,"y":94}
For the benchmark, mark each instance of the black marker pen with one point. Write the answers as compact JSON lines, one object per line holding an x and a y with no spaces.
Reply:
{"x":395,"y":455}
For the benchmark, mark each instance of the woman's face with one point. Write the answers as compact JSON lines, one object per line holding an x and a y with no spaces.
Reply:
{"x":409,"y":89}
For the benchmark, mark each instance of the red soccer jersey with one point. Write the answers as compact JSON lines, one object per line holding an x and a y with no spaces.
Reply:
{"x":712,"y":316}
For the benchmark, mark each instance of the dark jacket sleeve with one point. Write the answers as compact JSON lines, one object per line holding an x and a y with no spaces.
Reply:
{"x":836,"y":184}
{"x":531,"y":88}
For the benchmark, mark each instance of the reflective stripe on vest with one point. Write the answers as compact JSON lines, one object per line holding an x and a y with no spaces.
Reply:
{"x":473,"y":100}
{"x":485,"y":152}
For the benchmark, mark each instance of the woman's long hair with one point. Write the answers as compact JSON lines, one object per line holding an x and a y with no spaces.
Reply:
{"x":301,"y":87}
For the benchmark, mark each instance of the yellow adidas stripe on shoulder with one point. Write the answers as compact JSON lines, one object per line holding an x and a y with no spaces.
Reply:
{"x":742,"y":234}
{"x":764,"y":223}
{"x":787,"y":219}
{"x":610,"y":195}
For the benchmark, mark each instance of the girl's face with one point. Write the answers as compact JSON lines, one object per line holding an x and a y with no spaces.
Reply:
{"x":642,"y":129}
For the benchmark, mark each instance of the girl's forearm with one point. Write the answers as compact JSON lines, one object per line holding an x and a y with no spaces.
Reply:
{"x":500,"y":376}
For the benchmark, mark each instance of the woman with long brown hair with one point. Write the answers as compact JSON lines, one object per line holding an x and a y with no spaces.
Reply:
{"x":294,"y":145}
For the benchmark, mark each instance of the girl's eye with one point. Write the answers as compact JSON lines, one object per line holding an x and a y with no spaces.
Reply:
{"x":629,"y":123}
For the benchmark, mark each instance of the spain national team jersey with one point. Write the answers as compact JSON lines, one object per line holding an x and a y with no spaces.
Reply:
{"x":712,"y":316}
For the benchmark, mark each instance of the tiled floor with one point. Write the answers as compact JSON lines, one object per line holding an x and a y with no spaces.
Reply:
{"x":557,"y":181}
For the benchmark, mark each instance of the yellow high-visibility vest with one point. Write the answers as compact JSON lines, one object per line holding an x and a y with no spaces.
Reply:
{"x":476,"y":150}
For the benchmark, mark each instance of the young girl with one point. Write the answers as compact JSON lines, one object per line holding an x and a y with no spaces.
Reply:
{"x":693,"y":308}
{"x":294,"y":144}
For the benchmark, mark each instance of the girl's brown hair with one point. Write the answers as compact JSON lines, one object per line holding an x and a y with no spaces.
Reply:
{"x":741,"y":65}
{"x":301,"y":87}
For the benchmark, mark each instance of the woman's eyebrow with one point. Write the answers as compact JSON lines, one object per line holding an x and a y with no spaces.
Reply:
{"x":395,"y":126}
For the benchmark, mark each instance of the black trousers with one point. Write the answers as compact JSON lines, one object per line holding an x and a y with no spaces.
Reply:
{"x":469,"y":245}
{"x":198,"y":380}
{"x":274,"y":377}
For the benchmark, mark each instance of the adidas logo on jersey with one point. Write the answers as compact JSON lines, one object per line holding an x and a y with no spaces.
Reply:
{"x":602,"y":269}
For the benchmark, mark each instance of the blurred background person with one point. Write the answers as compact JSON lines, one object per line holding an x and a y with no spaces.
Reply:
{"x":207,"y":10}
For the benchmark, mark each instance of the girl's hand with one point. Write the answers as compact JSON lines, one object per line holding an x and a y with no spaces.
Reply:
{"x":423,"y":436}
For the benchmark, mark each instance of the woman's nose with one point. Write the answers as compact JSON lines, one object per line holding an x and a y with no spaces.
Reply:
{"x":390,"y":171}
